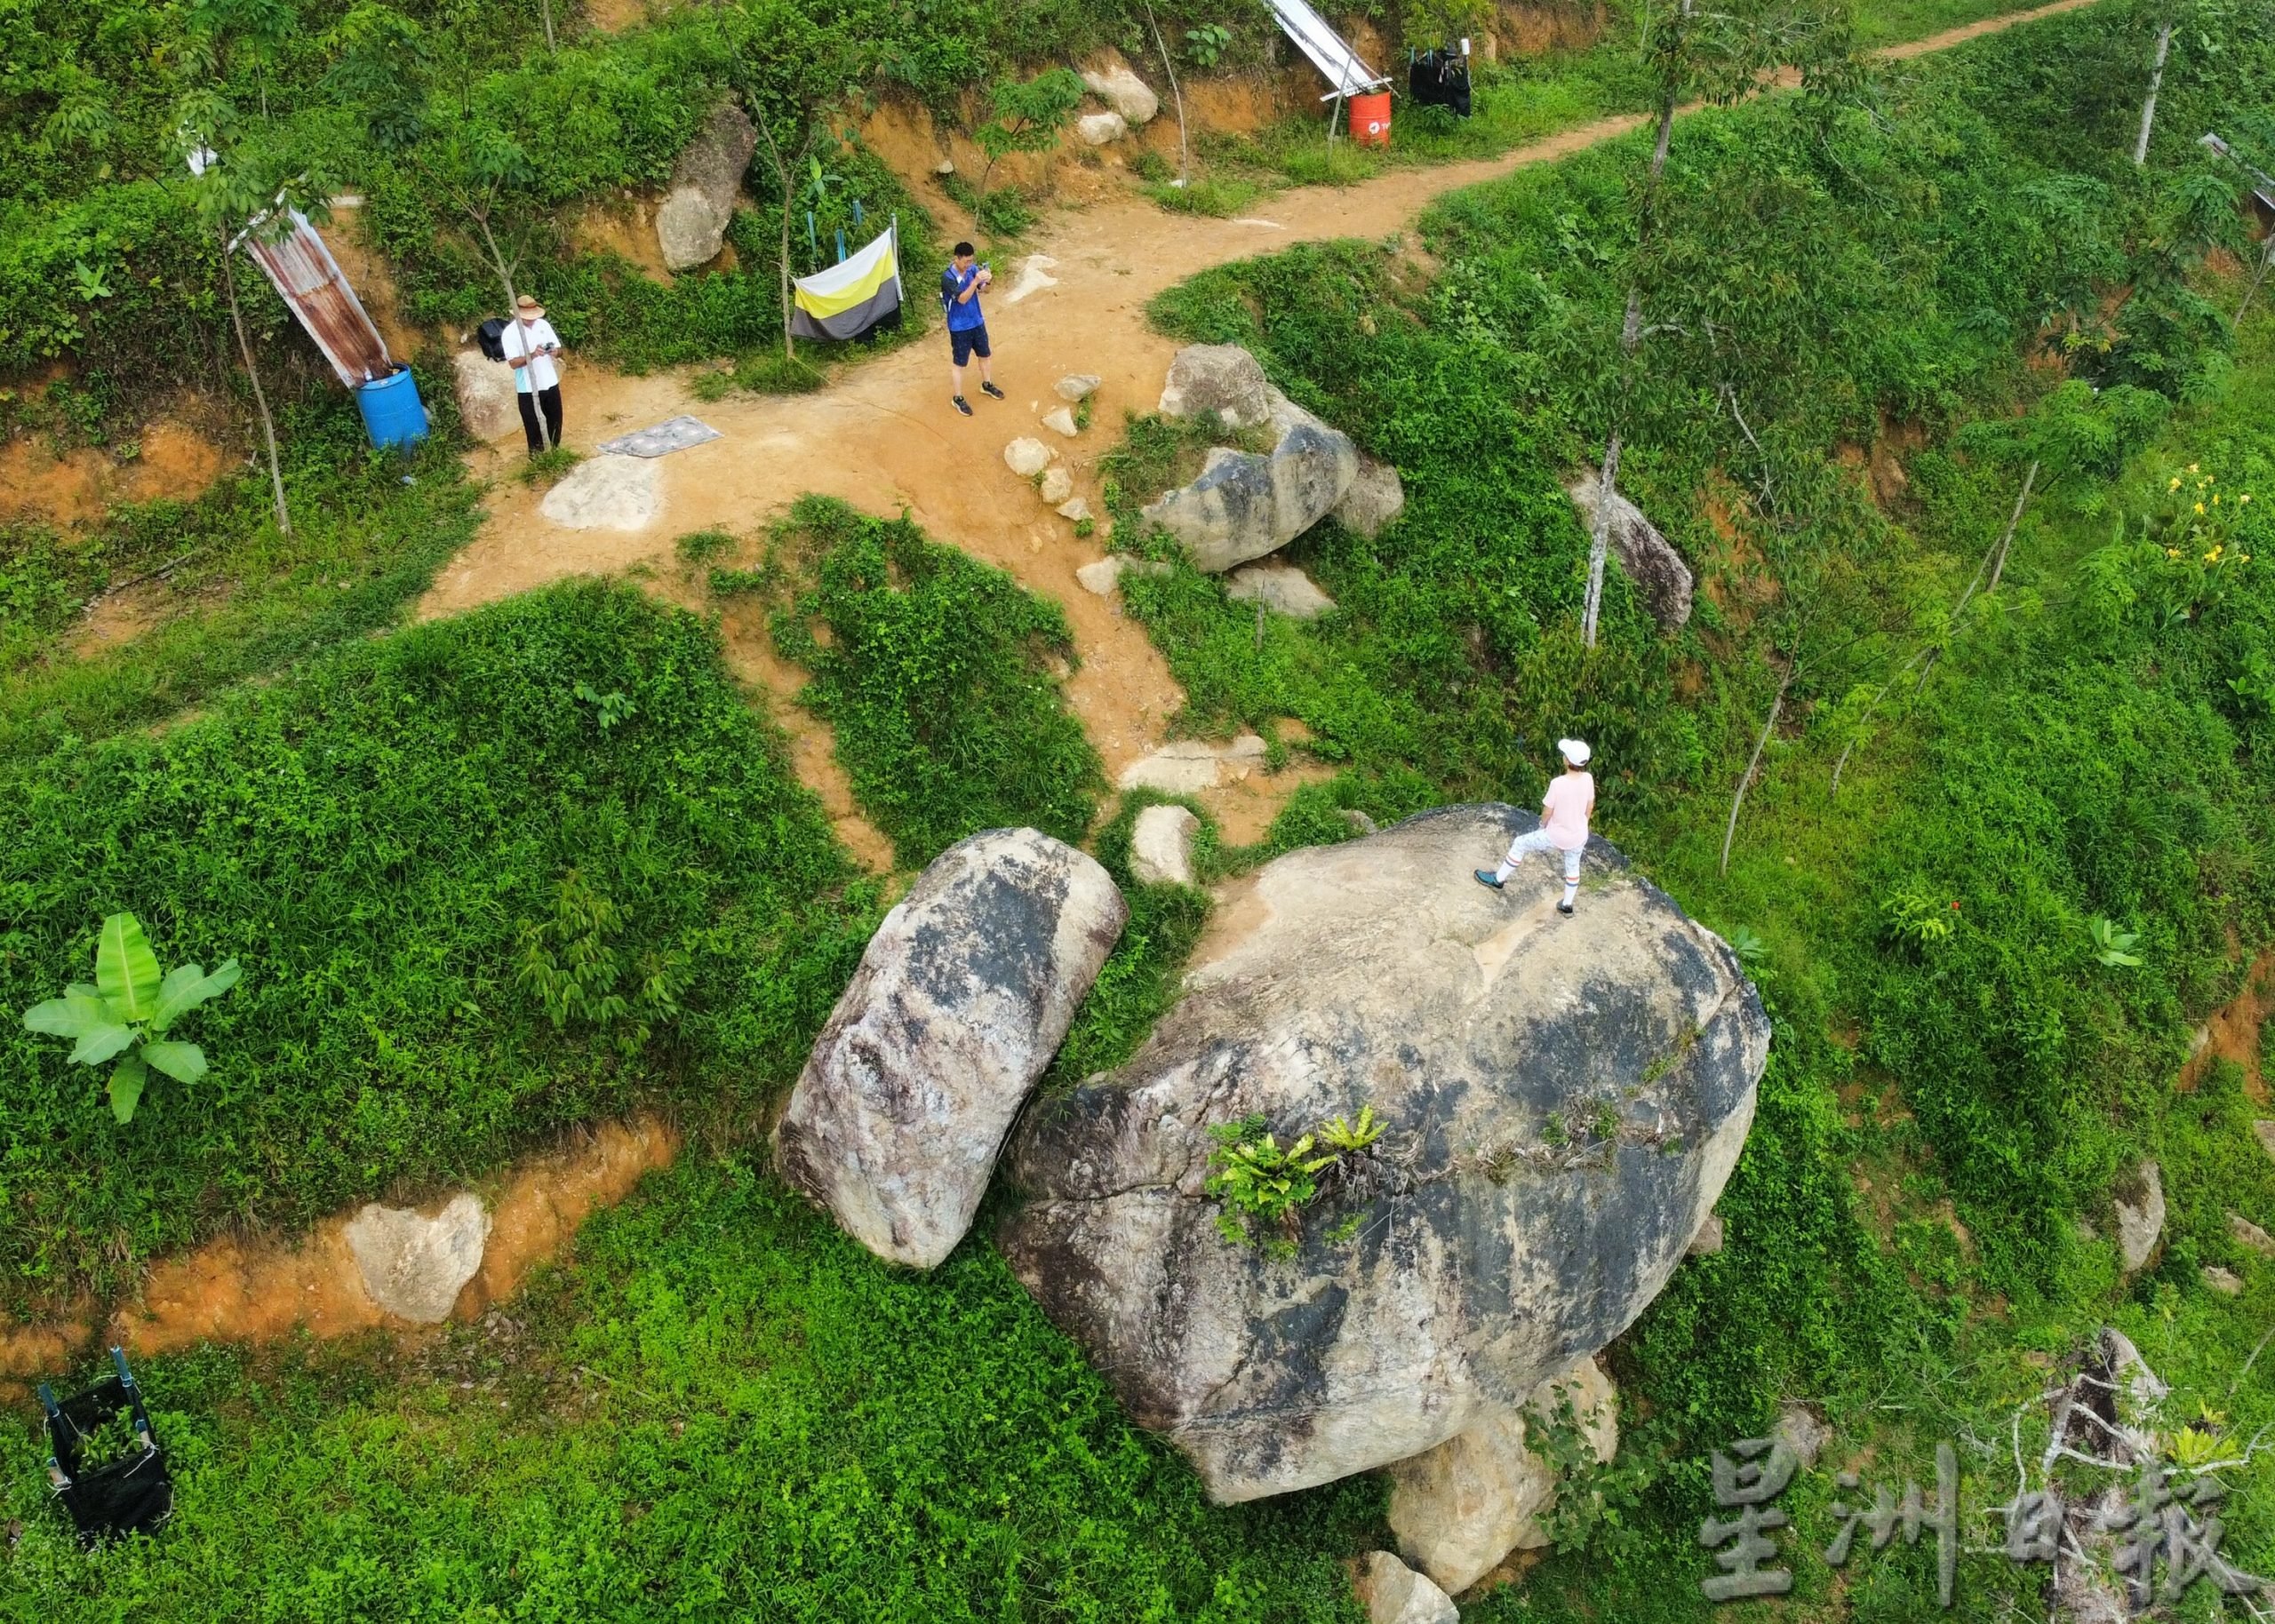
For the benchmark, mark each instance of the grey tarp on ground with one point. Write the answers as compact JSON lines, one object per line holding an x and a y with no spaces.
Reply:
{"x":672,"y":435}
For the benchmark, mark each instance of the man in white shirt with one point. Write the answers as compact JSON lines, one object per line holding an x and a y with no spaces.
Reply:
{"x":530,"y":345}
{"x":1564,"y":813}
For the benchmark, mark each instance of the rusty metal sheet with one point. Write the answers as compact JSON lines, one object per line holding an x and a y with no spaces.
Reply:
{"x":310,"y":281}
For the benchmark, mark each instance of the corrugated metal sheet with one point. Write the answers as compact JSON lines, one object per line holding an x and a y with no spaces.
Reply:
{"x":310,"y":281}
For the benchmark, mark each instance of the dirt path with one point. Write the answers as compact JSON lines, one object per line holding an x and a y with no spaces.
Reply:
{"x":884,"y":436}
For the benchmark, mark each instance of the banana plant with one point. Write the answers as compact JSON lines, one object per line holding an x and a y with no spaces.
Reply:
{"x":128,"y":1011}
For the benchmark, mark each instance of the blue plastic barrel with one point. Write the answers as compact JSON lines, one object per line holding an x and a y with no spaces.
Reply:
{"x":392,"y":413}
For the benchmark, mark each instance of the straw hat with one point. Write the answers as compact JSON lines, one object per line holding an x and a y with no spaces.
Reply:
{"x":528,"y":308}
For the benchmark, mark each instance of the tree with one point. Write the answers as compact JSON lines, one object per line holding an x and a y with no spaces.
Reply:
{"x":248,"y":178}
{"x":1028,"y":118}
{"x":1723,"y":55}
{"x":2156,"y":83}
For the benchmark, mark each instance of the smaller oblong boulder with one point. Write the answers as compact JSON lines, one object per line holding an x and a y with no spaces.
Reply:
{"x":961,"y":999}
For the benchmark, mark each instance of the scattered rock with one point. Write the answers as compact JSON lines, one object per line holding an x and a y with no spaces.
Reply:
{"x":2224,"y":1281}
{"x":1459,"y":1509}
{"x":2250,"y":1234}
{"x":945,"y":167}
{"x":1160,"y":847}
{"x":1220,"y":377}
{"x":1661,"y":579}
{"x":1100,"y":129}
{"x":1027,"y":457}
{"x":1800,"y":1430}
{"x":1113,"y":82}
{"x":1392,"y":1593}
{"x":1187,"y":766}
{"x":961,"y":999}
{"x":1376,"y":972}
{"x":1375,"y":498}
{"x":692,"y":221}
{"x":414,"y":1266}
{"x":1281,"y":588}
{"x":1078,"y":387}
{"x":1245,"y":505}
{"x":1101,"y":577}
{"x":1075,"y":508}
{"x":2108,"y":1410}
{"x":607,"y":493}
{"x":1062,"y":422}
{"x":2264,"y":1131}
{"x":1360,"y":821}
{"x":1057,"y":485}
{"x":1708,"y":1241}
{"x":2140,"y":1218}
{"x":485,"y":391}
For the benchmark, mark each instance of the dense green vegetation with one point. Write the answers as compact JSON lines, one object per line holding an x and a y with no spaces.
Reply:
{"x":2084,"y":748}
{"x":728,"y":1411}
{"x":936,"y":673}
{"x":404,"y":844}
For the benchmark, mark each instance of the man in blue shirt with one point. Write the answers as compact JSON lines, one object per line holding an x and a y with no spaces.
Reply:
{"x":960,"y":286}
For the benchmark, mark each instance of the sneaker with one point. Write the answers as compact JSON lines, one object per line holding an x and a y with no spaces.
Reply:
{"x":991,"y":389}
{"x":1565,"y":909}
{"x":962,"y":405}
{"x":1486,"y":877}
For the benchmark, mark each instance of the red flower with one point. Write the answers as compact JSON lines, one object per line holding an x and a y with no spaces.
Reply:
{"x":1954,"y":907}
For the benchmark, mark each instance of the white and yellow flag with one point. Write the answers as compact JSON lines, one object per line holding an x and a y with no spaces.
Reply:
{"x":853,"y":296}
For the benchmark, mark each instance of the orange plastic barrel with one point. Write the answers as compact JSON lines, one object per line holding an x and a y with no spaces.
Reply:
{"x":1371,"y":119}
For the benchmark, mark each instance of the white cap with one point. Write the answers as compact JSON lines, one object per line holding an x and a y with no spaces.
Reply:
{"x":1576,"y":750}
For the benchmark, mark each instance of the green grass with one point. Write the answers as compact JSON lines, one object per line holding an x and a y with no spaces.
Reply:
{"x":369,"y":532}
{"x":938,"y":675}
{"x":724,"y":1410}
{"x":372,"y":836}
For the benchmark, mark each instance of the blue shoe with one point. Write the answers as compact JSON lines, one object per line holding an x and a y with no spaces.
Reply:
{"x":1486,"y":877}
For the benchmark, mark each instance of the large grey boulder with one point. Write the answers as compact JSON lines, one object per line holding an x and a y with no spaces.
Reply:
{"x":414,"y":1266}
{"x":692,"y":221}
{"x":961,"y":999}
{"x":1662,"y":579}
{"x":1114,"y":82}
{"x":1248,"y":504}
{"x":1564,"y":1101}
{"x":1460,"y":1508}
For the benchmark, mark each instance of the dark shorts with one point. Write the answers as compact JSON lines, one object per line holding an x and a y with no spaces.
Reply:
{"x":971,"y":341}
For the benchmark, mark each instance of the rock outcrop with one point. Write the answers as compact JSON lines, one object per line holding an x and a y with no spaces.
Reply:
{"x":1114,"y":82}
{"x":1161,"y":846}
{"x":1376,"y":497}
{"x":1459,"y":1509}
{"x":485,"y":391}
{"x":1077,"y":386}
{"x":1220,"y":377}
{"x":606,"y":493}
{"x":692,"y":221}
{"x":961,"y":999}
{"x":1662,"y":579}
{"x":1247,"y":504}
{"x":2140,"y":1218}
{"x":1392,"y":1593}
{"x":414,"y":1266}
{"x":1281,"y":588}
{"x":1100,"y":129}
{"x":1564,"y":1099}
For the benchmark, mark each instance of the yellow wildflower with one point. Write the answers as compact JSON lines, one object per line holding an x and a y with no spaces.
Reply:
{"x":2175,"y":484}
{"x":2199,"y":507}
{"x":2192,"y":467}
{"x":2171,"y":552}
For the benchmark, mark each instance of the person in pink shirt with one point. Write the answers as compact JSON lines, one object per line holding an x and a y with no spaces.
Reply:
{"x":1564,"y":813}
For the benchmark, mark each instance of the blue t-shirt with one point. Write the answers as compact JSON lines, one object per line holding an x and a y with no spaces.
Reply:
{"x":965,"y":316}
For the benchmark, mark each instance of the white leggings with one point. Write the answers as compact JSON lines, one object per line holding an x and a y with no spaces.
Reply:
{"x":1539,"y":839}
